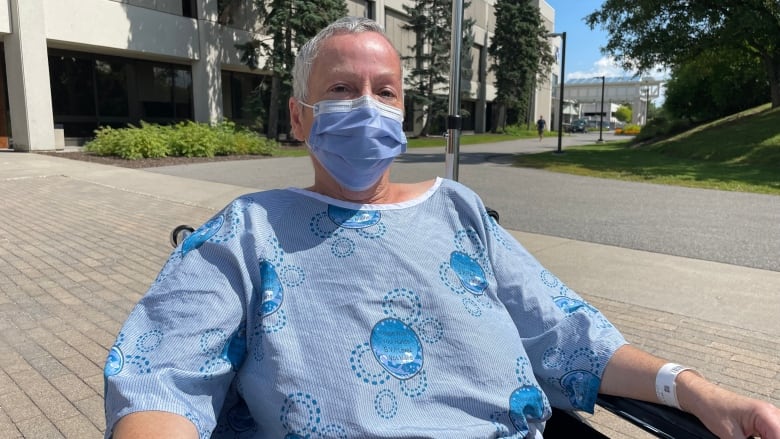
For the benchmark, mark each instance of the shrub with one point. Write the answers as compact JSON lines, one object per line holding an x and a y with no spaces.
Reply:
{"x":192,"y":139}
{"x":629,"y":130}
{"x":132,"y":143}
{"x":188,"y":139}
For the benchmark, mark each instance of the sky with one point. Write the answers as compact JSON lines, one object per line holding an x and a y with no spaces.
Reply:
{"x":583,"y":45}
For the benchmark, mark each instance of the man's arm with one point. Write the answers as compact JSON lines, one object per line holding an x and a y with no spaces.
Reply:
{"x":154,"y":424}
{"x":632,"y":372}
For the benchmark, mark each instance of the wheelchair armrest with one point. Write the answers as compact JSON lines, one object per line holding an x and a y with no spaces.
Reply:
{"x":179,"y":234}
{"x":660,"y":420}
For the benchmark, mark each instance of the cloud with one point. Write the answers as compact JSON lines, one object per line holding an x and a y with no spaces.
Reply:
{"x":606,"y":66}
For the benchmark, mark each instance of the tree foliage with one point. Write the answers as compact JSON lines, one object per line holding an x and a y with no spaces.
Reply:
{"x":646,"y":33}
{"x":624,"y":113}
{"x":521,"y":55}
{"x":714,"y":84}
{"x":288,"y":24}
{"x":428,"y":80}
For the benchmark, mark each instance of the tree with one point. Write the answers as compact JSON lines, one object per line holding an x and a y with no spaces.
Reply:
{"x":646,"y":33}
{"x":431,"y":22}
{"x":715,"y":84}
{"x":289,"y":24}
{"x":624,"y":113}
{"x":521,"y":54}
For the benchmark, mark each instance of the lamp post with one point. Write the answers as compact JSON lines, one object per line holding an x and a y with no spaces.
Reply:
{"x":601,"y":115}
{"x":560,"y":98}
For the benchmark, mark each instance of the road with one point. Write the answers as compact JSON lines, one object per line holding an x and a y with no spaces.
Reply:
{"x":730,"y":227}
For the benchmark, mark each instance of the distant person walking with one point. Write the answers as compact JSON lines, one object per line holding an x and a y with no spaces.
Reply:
{"x":540,"y":124}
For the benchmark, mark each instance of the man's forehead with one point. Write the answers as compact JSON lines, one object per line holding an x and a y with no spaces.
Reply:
{"x":360,"y":40}
{"x":335,"y":53}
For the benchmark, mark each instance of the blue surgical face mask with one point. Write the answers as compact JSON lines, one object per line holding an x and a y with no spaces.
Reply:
{"x":356,"y":140}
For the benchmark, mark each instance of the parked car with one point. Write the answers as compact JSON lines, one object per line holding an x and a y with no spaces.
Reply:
{"x":578,"y":126}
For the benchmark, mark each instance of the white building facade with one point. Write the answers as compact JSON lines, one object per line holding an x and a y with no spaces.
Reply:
{"x":70,"y":66}
{"x":637,"y":92}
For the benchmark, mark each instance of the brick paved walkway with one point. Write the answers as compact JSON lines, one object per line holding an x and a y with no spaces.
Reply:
{"x":75,"y":256}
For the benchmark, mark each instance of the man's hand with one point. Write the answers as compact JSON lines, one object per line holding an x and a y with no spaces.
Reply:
{"x":725,"y":413}
{"x":153,"y":424}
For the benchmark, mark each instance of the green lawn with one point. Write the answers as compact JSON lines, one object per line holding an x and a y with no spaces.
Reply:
{"x":739,"y":153}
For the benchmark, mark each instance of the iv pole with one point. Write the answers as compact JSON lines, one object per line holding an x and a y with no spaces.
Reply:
{"x":454,"y":122}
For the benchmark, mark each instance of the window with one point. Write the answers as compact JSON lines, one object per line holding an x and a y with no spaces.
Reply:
{"x":189,"y":8}
{"x":165,"y":92}
{"x":72,"y":85}
{"x":89,"y":91}
{"x":111,"y":88}
{"x":245,"y":98}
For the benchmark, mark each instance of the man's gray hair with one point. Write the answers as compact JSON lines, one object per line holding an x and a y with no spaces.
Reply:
{"x":306,"y":56}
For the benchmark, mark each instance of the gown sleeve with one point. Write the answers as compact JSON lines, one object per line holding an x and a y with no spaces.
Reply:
{"x":568,"y":341}
{"x":182,"y":343}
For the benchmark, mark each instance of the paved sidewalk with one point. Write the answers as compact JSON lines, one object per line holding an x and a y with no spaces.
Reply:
{"x":80,"y":243}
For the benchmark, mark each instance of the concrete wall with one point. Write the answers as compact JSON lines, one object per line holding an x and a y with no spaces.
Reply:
{"x":32,"y":122}
{"x":117,"y":27}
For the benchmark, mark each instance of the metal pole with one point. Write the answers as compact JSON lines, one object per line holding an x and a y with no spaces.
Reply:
{"x":560,"y":107}
{"x":601,"y":122}
{"x":647,"y":104}
{"x":454,"y":122}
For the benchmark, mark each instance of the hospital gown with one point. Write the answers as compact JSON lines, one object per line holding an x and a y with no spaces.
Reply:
{"x":293,"y":315}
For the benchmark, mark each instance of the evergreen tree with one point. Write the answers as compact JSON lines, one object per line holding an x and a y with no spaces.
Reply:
{"x":428,"y":81}
{"x":521,"y":55}
{"x":289,"y":24}
{"x":431,"y":22}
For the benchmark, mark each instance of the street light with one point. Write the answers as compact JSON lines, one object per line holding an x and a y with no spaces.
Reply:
{"x":601,"y":121}
{"x":560,"y":98}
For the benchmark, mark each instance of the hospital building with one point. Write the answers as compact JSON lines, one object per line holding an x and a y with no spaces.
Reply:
{"x":70,"y":66}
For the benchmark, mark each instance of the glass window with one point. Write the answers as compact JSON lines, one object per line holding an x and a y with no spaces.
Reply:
{"x":111,"y":79}
{"x":182,"y":93}
{"x":72,"y":85}
{"x":189,"y":8}
{"x":245,"y":98}
{"x":155,"y":89}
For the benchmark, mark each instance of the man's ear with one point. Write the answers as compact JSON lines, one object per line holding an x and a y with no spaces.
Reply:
{"x":295,"y":119}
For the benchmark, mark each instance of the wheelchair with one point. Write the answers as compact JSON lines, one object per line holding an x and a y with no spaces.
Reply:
{"x":659,"y":420}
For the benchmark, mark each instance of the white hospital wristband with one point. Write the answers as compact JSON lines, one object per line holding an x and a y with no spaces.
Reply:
{"x":665,"y":386}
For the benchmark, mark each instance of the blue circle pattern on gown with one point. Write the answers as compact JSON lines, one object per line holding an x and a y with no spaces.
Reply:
{"x":397,"y":348}
{"x":271,"y":292}
{"x":353,"y":219}
{"x":235,"y":351}
{"x":202,"y":234}
{"x":115,"y":362}
{"x":337,"y":221}
{"x":470,"y":273}
{"x":118,"y":358}
{"x":581,"y":386}
{"x":525,"y":404}
{"x":302,"y":417}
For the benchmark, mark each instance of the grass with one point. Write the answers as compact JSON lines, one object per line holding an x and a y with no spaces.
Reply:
{"x":737,"y":153}
{"x":433,"y":141}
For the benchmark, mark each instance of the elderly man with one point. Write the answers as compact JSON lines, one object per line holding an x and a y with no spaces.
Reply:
{"x":359,"y":307}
